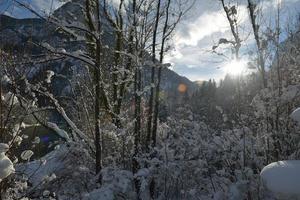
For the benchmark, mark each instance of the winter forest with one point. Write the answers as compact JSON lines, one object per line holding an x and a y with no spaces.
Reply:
{"x":150,"y":99}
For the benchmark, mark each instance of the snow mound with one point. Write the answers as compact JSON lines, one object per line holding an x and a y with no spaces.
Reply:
{"x":282,"y":177}
{"x":296,"y":115}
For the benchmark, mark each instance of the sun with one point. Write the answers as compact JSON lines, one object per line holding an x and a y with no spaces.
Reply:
{"x":236,"y":67}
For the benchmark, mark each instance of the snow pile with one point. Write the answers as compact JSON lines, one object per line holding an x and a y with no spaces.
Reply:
{"x":66,"y":172}
{"x":296,"y":115}
{"x":282,"y":178}
{"x":116,"y":184}
{"x":6,"y":166}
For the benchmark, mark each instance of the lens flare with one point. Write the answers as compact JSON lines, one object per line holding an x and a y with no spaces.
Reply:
{"x":182,"y":88}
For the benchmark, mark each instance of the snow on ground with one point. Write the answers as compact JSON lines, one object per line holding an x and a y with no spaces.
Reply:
{"x":68,"y":172}
{"x":282,"y":178}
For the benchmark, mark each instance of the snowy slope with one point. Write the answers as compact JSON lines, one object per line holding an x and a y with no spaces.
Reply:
{"x":10,"y":8}
{"x":69,"y":172}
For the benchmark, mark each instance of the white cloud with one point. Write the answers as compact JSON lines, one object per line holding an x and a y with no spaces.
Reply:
{"x":205,"y":25}
{"x":194,"y":37}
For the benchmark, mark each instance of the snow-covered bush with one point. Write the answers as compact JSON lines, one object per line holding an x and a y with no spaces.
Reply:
{"x":116,"y":184}
{"x":195,"y":161}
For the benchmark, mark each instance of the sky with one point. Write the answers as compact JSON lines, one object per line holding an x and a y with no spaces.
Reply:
{"x":200,"y":29}
{"x":206,"y":24}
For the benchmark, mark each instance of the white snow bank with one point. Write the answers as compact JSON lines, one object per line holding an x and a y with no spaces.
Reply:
{"x":296,"y":115}
{"x":282,"y":177}
{"x":6,"y":166}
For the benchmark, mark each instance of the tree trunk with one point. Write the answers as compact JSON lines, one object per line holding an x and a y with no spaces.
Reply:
{"x":97,"y":121}
{"x":118,"y":92}
{"x":150,"y":108}
{"x":255,"y":28}
{"x":156,"y":108}
{"x":1,"y":109}
{"x":97,"y":78}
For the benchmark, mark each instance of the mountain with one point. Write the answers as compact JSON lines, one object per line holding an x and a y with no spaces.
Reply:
{"x":43,"y":7}
{"x":17,"y":34}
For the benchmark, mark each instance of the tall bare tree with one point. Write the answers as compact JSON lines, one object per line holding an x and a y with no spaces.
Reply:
{"x":154,"y":61}
{"x":252,"y":7}
{"x":231,"y":15}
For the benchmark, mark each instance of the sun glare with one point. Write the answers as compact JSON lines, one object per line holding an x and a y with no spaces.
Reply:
{"x":236,"y":67}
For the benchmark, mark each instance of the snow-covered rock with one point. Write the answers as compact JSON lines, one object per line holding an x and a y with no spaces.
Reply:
{"x":6,"y":166}
{"x":296,"y":115}
{"x":282,"y":178}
